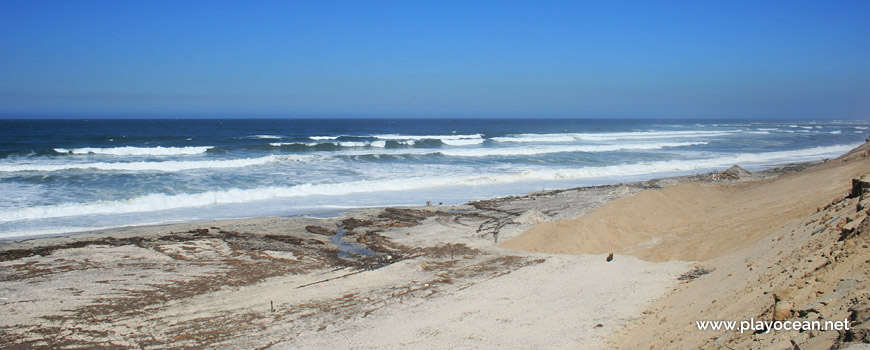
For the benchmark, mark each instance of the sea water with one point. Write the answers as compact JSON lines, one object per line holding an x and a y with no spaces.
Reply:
{"x":61,"y":176}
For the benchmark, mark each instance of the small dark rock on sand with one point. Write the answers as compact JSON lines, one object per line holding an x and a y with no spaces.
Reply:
{"x":693,"y":274}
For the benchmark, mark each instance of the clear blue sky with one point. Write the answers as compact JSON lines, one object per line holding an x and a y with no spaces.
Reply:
{"x":753,"y":59}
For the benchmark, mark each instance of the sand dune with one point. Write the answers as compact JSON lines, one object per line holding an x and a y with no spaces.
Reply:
{"x":812,"y":269}
{"x":791,"y":248}
{"x":696,"y":221}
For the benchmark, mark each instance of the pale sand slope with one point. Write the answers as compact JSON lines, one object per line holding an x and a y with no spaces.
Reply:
{"x":694,"y":221}
{"x":796,"y":237}
{"x":815,"y":274}
{"x":555,"y":304}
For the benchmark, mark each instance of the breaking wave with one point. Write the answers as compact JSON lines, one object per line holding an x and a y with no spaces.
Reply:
{"x":395,"y":137}
{"x":527,"y":151}
{"x":157,"y":201}
{"x":461,"y":142}
{"x":572,"y":137}
{"x":167,"y":166}
{"x":138,"y":151}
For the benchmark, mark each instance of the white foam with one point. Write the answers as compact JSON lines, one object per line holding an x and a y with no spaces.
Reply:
{"x":353,"y":144}
{"x":275,"y":137}
{"x":571,"y":137}
{"x":395,"y":137}
{"x":861,"y":127}
{"x":462,"y":142}
{"x":527,"y":151}
{"x":836,"y":132}
{"x":309,"y":144}
{"x":758,"y":132}
{"x":514,"y":151}
{"x":156,"y":202}
{"x":138,"y":151}
{"x":348,"y":144}
{"x":319,"y":138}
{"x":645,"y":135}
{"x":744,"y":159}
{"x":167,"y":166}
{"x":537,"y":138}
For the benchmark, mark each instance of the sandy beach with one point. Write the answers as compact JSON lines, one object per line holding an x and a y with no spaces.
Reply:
{"x":618,"y":266}
{"x":434,"y":175}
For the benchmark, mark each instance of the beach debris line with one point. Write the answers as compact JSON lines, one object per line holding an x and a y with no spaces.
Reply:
{"x":352,"y":223}
{"x":402,"y":217}
{"x":694,"y":273}
{"x":490,"y":223}
{"x":495,"y":218}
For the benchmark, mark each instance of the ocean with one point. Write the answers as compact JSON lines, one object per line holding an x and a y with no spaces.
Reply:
{"x":62,"y":176}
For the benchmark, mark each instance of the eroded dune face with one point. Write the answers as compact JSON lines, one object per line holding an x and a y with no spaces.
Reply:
{"x":697,"y":221}
{"x":807,"y":270}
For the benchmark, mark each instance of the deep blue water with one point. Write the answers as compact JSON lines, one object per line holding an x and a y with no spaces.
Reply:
{"x":60,"y":176}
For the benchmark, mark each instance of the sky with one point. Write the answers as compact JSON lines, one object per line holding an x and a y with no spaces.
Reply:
{"x":525,"y":59}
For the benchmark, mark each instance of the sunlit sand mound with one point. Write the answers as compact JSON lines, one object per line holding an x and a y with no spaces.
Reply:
{"x":697,"y":221}
{"x":811,"y":272}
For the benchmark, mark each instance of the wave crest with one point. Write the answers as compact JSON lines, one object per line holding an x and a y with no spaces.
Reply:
{"x":613,"y":136}
{"x":167,"y":166}
{"x":528,"y":151}
{"x":157,"y":201}
{"x":138,"y":151}
{"x":396,"y":137}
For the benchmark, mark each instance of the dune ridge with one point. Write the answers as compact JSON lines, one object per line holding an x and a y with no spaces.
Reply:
{"x":698,"y":220}
{"x":791,"y":248}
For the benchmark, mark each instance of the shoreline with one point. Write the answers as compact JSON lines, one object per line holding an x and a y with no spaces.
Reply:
{"x":70,"y":217}
{"x":339,"y":214}
{"x":394,"y":277}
